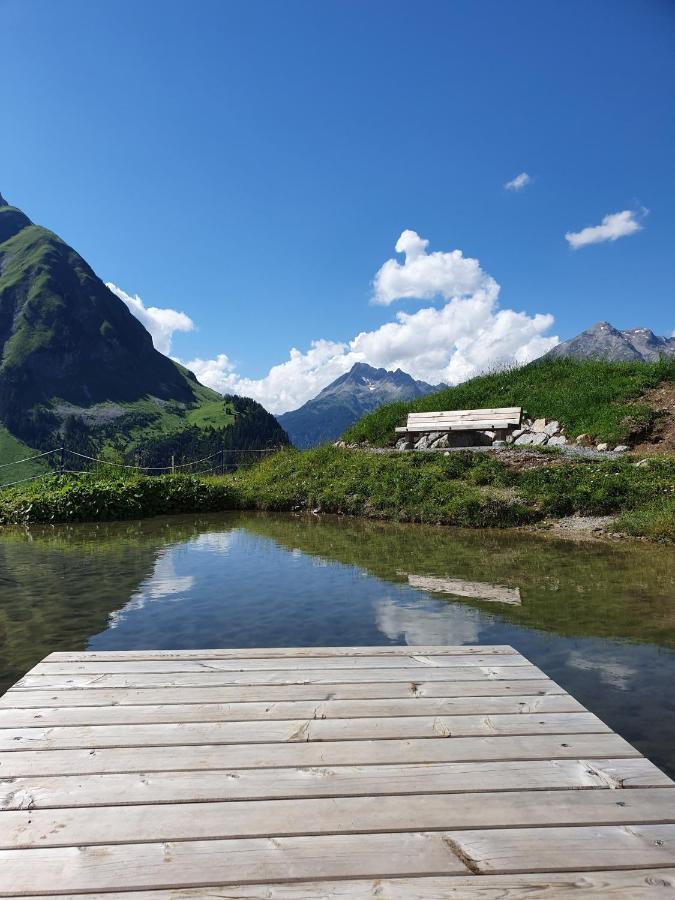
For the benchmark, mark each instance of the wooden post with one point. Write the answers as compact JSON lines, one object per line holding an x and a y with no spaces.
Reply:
{"x":62,"y":460}
{"x":173,"y":464}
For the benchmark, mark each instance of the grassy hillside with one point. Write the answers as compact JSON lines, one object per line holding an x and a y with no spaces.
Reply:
{"x":76,"y":367}
{"x":464,"y":488}
{"x":587,"y":396}
{"x":12,"y":449}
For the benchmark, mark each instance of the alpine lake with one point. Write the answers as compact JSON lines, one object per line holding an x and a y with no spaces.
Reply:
{"x":597,"y":617}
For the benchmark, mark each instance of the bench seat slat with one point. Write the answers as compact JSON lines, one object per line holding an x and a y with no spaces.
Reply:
{"x":462,"y":420}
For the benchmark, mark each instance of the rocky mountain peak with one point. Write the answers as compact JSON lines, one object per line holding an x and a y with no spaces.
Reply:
{"x":604,"y":341}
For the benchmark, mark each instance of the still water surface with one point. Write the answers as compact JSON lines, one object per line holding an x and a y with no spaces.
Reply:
{"x":597,"y":618}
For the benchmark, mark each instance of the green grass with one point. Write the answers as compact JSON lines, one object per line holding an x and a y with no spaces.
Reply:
{"x":12,"y":449}
{"x":465,"y":488}
{"x":587,"y":396}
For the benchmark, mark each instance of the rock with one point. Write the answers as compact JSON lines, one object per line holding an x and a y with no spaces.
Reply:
{"x":539,"y":439}
{"x":499,"y":444}
{"x":552,"y":428}
{"x":422,"y":443}
{"x":621,"y":448}
{"x":602,"y":447}
{"x":339,"y":444}
{"x":403,"y":444}
{"x":509,"y":439}
{"x":640,"y":463}
{"x":583,"y":440}
{"x":490,"y":434}
{"x":539,"y":425}
{"x":558,"y":440}
{"x":524,"y":439}
{"x":517,"y":433}
{"x":440,"y":443}
{"x":447,"y":453}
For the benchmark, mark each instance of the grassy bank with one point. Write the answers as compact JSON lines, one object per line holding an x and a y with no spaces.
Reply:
{"x":587,"y":396}
{"x":473,"y":490}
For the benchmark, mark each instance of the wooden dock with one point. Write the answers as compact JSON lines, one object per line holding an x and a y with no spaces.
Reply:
{"x":396,"y":773}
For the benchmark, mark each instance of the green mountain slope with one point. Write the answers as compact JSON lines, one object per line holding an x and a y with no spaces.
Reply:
{"x":75,"y":364}
{"x":596,"y":397}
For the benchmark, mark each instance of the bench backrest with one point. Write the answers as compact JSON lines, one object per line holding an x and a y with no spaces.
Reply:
{"x":465,"y":419}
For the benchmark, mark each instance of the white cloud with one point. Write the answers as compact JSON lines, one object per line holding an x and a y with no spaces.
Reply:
{"x":427,"y":275}
{"x":161,"y":323}
{"x":519,"y":182}
{"x":466,"y":335}
{"x":612,"y":227}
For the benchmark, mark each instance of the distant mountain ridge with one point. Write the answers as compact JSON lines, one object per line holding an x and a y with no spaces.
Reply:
{"x":604,"y":341}
{"x":345,"y":400}
{"x":75,"y":363}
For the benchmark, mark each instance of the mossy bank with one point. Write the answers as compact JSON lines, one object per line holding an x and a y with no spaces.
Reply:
{"x":464,"y":488}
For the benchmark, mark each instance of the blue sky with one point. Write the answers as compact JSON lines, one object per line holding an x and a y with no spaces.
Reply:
{"x":253,"y":165}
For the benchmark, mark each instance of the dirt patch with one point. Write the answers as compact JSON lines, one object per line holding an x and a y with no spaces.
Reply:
{"x":661,"y":438}
{"x":579,"y":528}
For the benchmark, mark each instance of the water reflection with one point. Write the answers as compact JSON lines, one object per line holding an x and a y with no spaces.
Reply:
{"x":477,"y":590}
{"x":600,"y":619}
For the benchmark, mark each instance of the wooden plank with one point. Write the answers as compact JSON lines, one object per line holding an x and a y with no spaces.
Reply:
{"x":325,"y":676}
{"x":632,"y":884}
{"x":34,"y":792}
{"x":337,"y":815}
{"x":296,"y":730}
{"x":193,"y":863}
{"x":466,"y":425}
{"x":294,"y":665}
{"x":337,"y":753}
{"x":392,"y":650}
{"x":597,"y":847}
{"x":37,"y":699}
{"x":485,"y":410}
{"x":305,"y":709}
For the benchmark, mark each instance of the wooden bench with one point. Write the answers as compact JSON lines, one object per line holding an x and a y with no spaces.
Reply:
{"x":499,"y":419}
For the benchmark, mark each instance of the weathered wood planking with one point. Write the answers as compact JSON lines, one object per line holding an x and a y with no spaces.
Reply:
{"x":319,"y":753}
{"x":633,"y":884}
{"x":42,"y":699}
{"x":205,"y":678}
{"x":343,"y":815}
{"x":295,"y":731}
{"x":422,"y":773}
{"x":51,"y":792}
{"x":310,"y":709}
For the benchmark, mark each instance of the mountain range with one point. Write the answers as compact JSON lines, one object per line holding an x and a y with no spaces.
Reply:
{"x":346,"y":399}
{"x":76,"y":364}
{"x":604,"y":341}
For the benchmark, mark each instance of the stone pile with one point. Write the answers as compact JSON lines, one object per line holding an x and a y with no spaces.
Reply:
{"x":533,"y":432}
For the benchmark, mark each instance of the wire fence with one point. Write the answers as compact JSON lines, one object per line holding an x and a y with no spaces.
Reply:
{"x":64,"y":461}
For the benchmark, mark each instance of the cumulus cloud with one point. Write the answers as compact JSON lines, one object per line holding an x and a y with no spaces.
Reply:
{"x":463,"y":335}
{"x":612,"y":227}
{"x":424,"y":276}
{"x":467,"y":334}
{"x":161,"y":323}
{"x":518,"y":183}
